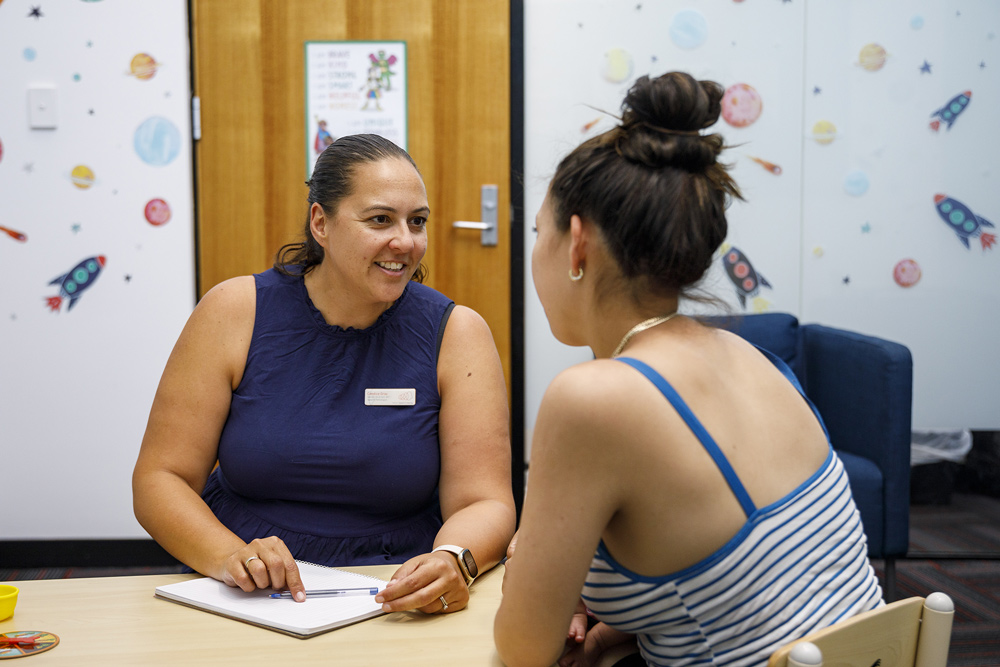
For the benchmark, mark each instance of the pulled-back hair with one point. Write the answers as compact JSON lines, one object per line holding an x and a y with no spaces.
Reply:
{"x":332,"y":180}
{"x":653,"y":184}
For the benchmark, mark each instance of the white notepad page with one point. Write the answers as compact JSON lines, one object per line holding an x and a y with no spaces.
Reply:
{"x":317,"y":614}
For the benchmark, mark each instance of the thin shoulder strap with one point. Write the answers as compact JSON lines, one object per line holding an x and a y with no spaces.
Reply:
{"x":699,"y":431}
{"x":790,"y":376}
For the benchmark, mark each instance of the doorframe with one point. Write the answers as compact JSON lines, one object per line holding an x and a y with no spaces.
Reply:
{"x":195,"y":136}
{"x":517,"y":435}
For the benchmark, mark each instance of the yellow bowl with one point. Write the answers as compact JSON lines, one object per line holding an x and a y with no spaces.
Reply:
{"x":8,"y":600}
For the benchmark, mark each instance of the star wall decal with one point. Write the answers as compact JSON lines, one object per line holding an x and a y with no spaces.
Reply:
{"x":925,"y":68}
{"x":36,"y":12}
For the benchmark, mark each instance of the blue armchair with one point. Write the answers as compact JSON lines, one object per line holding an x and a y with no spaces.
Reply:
{"x":863,"y":388}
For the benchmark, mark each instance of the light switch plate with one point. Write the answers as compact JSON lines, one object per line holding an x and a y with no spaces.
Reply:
{"x":42,"y":107}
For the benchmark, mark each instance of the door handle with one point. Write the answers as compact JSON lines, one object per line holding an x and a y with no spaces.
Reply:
{"x":488,"y":203}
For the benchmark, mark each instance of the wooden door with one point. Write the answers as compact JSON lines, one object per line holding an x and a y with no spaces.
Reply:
{"x":249,"y":76}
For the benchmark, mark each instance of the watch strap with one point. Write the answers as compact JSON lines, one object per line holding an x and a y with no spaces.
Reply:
{"x":457,"y":552}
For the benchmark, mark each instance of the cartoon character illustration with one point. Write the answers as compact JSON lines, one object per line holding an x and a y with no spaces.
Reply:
{"x":383,"y":65}
{"x":374,"y":86}
{"x":323,"y":137}
{"x":739,"y":269}
{"x":963,"y":221}
{"x":76,"y":281}
{"x":951,"y":110}
{"x":14,"y":234}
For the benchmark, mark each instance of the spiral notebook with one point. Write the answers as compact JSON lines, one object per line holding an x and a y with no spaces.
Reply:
{"x":299,"y":619}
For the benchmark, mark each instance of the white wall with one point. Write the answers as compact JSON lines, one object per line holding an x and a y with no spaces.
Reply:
{"x":801,"y":229}
{"x":76,"y":385}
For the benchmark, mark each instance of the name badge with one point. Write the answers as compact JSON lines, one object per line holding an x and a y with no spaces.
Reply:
{"x":390,"y":396}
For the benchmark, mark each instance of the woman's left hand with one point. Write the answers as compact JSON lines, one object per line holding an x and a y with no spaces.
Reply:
{"x":431,"y":583}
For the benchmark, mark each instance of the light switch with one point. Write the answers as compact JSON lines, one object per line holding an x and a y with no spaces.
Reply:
{"x":42,"y":107}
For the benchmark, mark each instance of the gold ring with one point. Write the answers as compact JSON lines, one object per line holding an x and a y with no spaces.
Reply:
{"x":444,"y":603}
{"x":246,"y":563}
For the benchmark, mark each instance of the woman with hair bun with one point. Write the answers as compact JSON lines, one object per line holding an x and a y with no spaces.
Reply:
{"x":684,"y":497}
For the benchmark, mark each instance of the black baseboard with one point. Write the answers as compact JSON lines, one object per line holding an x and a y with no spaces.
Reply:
{"x":83,"y":553}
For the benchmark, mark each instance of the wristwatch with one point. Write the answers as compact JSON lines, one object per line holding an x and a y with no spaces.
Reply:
{"x":466,"y":563}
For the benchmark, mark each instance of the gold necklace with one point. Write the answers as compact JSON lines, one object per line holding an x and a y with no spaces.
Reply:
{"x":642,"y":326}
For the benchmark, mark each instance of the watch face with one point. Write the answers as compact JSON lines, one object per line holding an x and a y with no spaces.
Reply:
{"x":470,"y":563}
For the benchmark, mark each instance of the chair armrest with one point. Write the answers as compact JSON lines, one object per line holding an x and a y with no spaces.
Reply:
{"x":863,"y":388}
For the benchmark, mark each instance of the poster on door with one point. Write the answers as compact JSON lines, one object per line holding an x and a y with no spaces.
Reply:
{"x":354,"y":88}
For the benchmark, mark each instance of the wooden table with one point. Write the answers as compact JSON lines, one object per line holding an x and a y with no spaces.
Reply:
{"x":117,"y":621}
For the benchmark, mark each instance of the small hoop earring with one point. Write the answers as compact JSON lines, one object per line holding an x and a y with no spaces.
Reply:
{"x":576,"y":277}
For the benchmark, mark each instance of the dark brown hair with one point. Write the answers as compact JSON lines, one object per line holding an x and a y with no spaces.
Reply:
{"x":653,"y":184}
{"x":332,"y":180}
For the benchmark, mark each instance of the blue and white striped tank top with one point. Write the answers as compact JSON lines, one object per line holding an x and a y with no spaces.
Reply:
{"x":797,"y":565}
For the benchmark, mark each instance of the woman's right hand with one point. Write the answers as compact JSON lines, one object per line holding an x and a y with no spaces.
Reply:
{"x":600,"y":639}
{"x":264,"y":563}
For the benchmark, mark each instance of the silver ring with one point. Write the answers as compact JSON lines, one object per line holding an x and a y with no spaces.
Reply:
{"x":246,"y":563}
{"x":444,"y":603}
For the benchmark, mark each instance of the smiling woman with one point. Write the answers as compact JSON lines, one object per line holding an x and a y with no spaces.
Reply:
{"x":358,"y":417}
{"x":374,"y":239}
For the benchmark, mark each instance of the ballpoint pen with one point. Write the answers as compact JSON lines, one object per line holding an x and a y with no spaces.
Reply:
{"x":330,"y":592}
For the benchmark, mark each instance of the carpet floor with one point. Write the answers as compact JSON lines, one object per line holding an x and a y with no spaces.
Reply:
{"x":968,"y":526}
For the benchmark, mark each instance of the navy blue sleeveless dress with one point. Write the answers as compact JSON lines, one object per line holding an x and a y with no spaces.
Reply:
{"x":302,"y":457}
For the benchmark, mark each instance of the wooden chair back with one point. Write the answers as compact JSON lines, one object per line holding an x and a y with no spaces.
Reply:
{"x":915,"y":632}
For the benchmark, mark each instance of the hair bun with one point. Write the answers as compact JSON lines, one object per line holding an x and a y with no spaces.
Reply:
{"x":662,"y":119}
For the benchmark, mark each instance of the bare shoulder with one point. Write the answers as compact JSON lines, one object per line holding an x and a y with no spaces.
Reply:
{"x":592,"y":384}
{"x":590,"y":401}
{"x":233,"y":298}
{"x":468,"y":360}
{"x":221,"y":326}
{"x":463,"y":322}
{"x":466,"y":336}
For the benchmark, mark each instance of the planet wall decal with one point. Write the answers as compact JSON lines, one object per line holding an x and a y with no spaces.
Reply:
{"x":741,"y":105}
{"x":82,"y":176}
{"x":157,"y":141}
{"x":157,"y":212}
{"x":143,"y":66}
{"x":617,"y":65}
